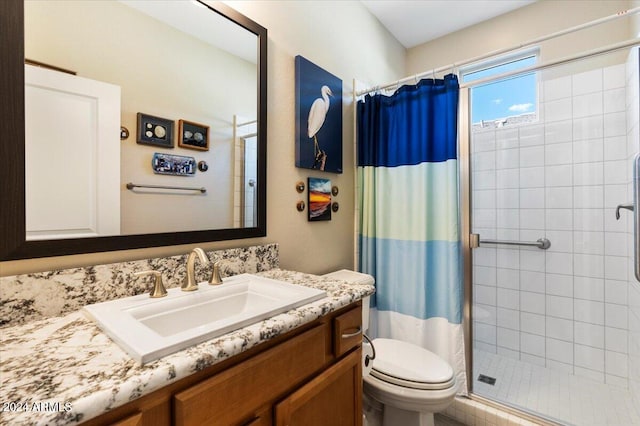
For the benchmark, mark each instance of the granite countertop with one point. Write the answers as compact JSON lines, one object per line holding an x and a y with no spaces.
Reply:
{"x":65,"y":370}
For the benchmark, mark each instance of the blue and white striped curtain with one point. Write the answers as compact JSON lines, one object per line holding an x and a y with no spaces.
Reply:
{"x":409,"y":225}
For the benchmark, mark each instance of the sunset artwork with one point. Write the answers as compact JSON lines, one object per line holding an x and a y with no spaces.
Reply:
{"x":319,"y":199}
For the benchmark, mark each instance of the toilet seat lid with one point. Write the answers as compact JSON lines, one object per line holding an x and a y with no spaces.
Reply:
{"x":408,"y":365}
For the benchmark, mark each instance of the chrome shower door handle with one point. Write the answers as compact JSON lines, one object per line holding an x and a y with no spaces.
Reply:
{"x":636,"y":215}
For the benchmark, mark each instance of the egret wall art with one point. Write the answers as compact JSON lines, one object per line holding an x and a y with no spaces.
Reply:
{"x":318,"y":118}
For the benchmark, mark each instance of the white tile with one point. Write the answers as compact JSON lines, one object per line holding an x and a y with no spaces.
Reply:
{"x":532,"y":344}
{"x":615,"y":124}
{"x":532,"y":134}
{"x":507,"y":198}
{"x":508,"y":278}
{"x":559,"y":285}
{"x":532,"y":323}
{"x":588,"y":357}
{"x":532,"y":218}
{"x":588,"y":219}
{"x":532,"y":302}
{"x":508,"y":178}
{"x":484,"y":218}
{"x":615,"y":267}
{"x":558,"y":153}
{"x":614,"y":100}
{"x":615,"y":148}
{"x":613,"y":76}
{"x":616,"y":340}
{"x":558,"y":328}
{"x":507,"y":298}
{"x":560,"y":366}
{"x":561,"y":241}
{"x":507,"y":218}
{"x":559,"y":350}
{"x":559,"y":219}
{"x":589,"y":334}
{"x":509,"y":339}
{"x":588,"y":242}
{"x":589,"y":288}
{"x":588,"y":265}
{"x":588,"y":128}
{"x":585,"y":151}
{"x":485,"y":314}
{"x":484,"y":333}
{"x":507,"y":158}
{"x":588,"y":197}
{"x":484,"y":199}
{"x":484,"y":161}
{"x":532,"y":281}
{"x":484,"y":180}
{"x":588,"y":311}
{"x":588,"y":174}
{"x":560,"y":131}
{"x":508,"y":258}
{"x":532,"y":198}
{"x":615,"y":172}
{"x":559,"y":197}
{"x":532,"y":260}
{"x":507,"y":234}
{"x":615,"y":244}
{"x":484,"y":256}
{"x":616,"y":316}
{"x":610,"y":222}
{"x":485,"y":295}
{"x":508,"y":318}
{"x":587,"y":82}
{"x":507,"y":138}
{"x":587,"y":105}
{"x":557,"y":88}
{"x":560,"y":175}
{"x":616,"y":363}
{"x":485,"y":275}
{"x":532,"y":177}
{"x":616,"y":292}
{"x":532,"y":359}
{"x":559,"y":307}
{"x":557,"y":110}
{"x":593,"y":376}
{"x":532,"y":156}
{"x":559,"y":263}
{"x":506,"y":353}
{"x":616,"y":194}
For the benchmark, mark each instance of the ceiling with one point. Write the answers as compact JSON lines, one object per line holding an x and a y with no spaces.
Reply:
{"x":414,"y":22}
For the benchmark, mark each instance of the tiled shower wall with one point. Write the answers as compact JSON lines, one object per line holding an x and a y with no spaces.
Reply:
{"x":561,"y":177}
{"x":633,"y":138}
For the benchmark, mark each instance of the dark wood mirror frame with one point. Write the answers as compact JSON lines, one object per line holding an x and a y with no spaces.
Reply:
{"x":13,"y":244}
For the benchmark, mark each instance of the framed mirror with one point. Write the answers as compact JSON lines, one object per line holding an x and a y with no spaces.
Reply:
{"x":178,"y":90}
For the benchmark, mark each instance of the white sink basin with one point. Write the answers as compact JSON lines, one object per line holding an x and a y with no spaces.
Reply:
{"x":149,"y":329}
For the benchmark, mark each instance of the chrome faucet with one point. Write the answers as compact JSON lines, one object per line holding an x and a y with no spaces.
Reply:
{"x":189,"y":283}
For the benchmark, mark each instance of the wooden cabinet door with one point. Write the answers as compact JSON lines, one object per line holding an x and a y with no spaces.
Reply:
{"x":332,"y":398}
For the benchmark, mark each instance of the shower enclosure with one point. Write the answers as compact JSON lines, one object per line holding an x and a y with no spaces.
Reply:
{"x":556,"y":330}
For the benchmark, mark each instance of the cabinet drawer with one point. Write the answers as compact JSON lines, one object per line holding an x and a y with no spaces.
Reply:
{"x":234,"y":396}
{"x":347,"y":331}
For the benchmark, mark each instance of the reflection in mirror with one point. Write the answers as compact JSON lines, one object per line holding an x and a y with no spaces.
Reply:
{"x":162,"y":59}
{"x":150,"y":100}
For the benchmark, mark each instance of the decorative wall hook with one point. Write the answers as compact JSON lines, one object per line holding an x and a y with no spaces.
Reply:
{"x":300,"y":187}
{"x":334,"y":190}
{"x":300,"y":206}
{"x":335,"y":206}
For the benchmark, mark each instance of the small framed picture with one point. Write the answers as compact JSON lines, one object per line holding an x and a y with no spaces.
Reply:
{"x":193,"y":135}
{"x":155,"y":131}
{"x":319,"y":199}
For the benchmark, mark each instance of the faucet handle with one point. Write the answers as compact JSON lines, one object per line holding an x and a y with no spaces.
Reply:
{"x":216,"y":279}
{"x":158,"y":286}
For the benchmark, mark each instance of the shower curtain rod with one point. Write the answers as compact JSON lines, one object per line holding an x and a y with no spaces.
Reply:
{"x":452,"y":66}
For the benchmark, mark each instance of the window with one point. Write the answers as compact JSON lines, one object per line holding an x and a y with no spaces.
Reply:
{"x":503,"y":102}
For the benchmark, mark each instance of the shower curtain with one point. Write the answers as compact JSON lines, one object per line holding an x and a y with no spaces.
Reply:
{"x":409,"y":226}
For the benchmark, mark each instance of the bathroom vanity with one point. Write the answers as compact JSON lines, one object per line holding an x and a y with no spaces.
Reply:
{"x":299,"y":367}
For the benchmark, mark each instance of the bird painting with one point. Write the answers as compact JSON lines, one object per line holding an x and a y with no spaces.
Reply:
{"x":318,"y":118}
{"x":317,"y":115}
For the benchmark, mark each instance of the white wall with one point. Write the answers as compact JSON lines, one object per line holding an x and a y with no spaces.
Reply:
{"x":524,"y":24}
{"x":346,"y":40}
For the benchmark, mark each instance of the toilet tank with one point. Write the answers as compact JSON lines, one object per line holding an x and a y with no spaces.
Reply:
{"x":356,"y":278}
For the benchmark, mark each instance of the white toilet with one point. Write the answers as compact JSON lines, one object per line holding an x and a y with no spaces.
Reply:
{"x":407,"y":383}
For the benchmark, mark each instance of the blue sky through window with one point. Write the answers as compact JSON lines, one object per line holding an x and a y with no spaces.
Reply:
{"x":505,"y":98}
